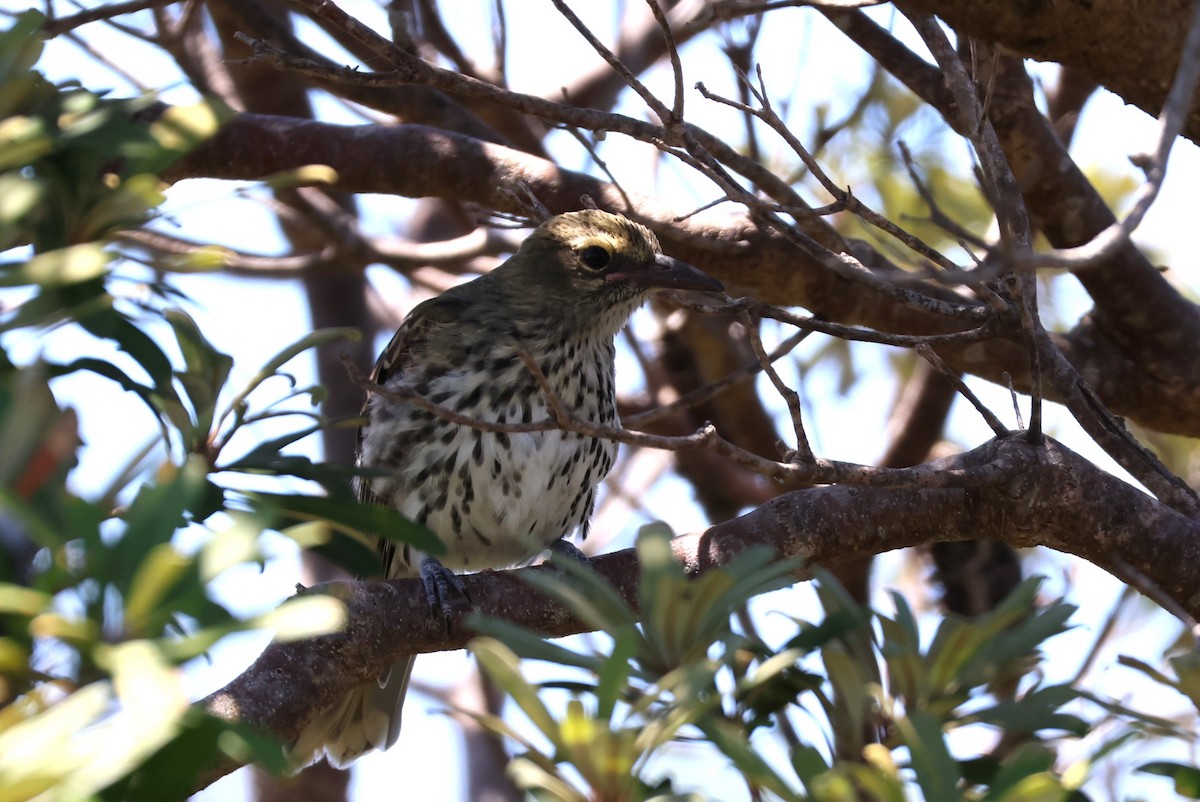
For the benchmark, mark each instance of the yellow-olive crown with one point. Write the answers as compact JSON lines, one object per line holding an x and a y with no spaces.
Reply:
{"x":598,"y":260}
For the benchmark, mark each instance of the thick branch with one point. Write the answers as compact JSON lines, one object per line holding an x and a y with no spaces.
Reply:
{"x":1051,"y":497}
{"x":1124,"y":45}
{"x":416,"y":161}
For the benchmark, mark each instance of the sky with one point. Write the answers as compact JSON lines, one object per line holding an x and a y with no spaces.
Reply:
{"x":844,"y":425}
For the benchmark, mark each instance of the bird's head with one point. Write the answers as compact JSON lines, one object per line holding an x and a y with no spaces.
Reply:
{"x":594,"y":260}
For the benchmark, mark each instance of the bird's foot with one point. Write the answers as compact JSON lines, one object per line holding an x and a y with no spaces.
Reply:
{"x":442,"y":586}
{"x":563,"y":549}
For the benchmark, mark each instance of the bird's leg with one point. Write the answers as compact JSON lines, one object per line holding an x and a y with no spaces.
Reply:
{"x":441,"y":584}
{"x":566,"y":550}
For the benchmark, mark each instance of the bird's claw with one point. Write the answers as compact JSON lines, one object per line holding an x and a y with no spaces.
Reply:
{"x":442,"y":586}
{"x":563,"y":549}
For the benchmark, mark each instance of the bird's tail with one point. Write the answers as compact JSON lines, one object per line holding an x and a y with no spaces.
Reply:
{"x":366,"y":718}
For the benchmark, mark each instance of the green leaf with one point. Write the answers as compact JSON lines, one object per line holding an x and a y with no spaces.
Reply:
{"x":172,"y":771}
{"x":161,"y":568}
{"x":808,"y":764}
{"x":19,"y":198}
{"x":34,"y":751}
{"x":1044,"y":787}
{"x":304,"y":617}
{"x":614,"y":673}
{"x":23,"y":140}
{"x":732,"y":742}
{"x":108,"y":371}
{"x":502,"y":665}
{"x":586,"y":594}
{"x":529,"y":645}
{"x":350,"y":551}
{"x":529,"y":775}
{"x":265,"y":456}
{"x":57,"y":303}
{"x":23,"y":601}
{"x":70,"y":265}
{"x":1026,"y":761}
{"x":834,"y":626}
{"x":1187,"y":669}
{"x":1186,"y":778}
{"x":21,"y":45}
{"x":179,"y":130}
{"x":110,"y":324}
{"x":1036,"y":711}
{"x":306,"y":176}
{"x":272,"y":366}
{"x":364,"y":519}
{"x":937,"y":773}
{"x":154,"y":515}
{"x":205,"y":369}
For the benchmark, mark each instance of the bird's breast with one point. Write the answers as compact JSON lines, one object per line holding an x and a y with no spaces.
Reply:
{"x":495,"y":497}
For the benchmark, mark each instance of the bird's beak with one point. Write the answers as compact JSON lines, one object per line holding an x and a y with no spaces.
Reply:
{"x":668,"y":274}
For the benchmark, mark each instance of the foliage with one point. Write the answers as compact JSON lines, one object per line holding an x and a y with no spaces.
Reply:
{"x":99,"y":607}
{"x":885,"y":709}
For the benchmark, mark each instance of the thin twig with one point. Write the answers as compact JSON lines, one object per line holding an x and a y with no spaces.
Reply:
{"x":936,"y":215}
{"x":1012,"y":392}
{"x":733,"y":307}
{"x":818,"y":470}
{"x":927,"y":353}
{"x":702,"y":394}
{"x":673,"y":55}
{"x":1153,"y":591}
{"x":396,"y":253}
{"x":657,"y":106}
{"x":603,"y":165}
{"x":843,"y":197}
{"x":500,"y":41}
{"x":790,"y":397}
{"x":1016,"y":235}
{"x":1106,"y":631}
{"x":56,"y":26}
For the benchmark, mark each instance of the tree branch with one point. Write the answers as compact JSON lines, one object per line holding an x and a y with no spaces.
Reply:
{"x":1114,"y":42}
{"x":417,"y":161}
{"x":1049,"y":496}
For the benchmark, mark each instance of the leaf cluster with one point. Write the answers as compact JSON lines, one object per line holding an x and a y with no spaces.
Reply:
{"x":865,"y":705}
{"x":101,"y":604}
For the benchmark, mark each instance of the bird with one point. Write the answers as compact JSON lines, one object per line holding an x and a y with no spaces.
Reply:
{"x":496,"y":498}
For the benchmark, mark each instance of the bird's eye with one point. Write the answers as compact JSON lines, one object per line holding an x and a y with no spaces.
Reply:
{"x":595,"y":257}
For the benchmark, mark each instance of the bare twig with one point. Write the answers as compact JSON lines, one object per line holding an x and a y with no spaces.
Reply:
{"x":657,"y":106}
{"x":1112,"y":436}
{"x":1016,"y":404}
{"x":702,"y":394}
{"x":603,"y":165}
{"x":927,"y":353}
{"x":396,"y":253}
{"x":500,"y":41}
{"x":936,"y":215}
{"x":737,"y":306}
{"x":843,"y":198}
{"x":791,"y":397}
{"x":673,"y":55}
{"x":1016,"y":234}
{"x":816,"y":470}
{"x":1153,"y":591}
{"x":60,"y":25}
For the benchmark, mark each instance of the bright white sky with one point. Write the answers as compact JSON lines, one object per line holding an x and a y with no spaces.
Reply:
{"x":229,"y":312}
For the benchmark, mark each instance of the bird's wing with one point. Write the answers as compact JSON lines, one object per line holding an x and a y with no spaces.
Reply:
{"x":407,"y":348}
{"x":422,"y":325}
